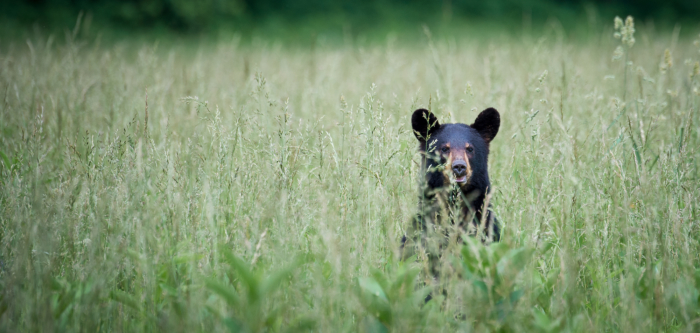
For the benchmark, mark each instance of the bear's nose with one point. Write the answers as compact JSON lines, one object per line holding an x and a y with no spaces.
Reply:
{"x":459,"y":168}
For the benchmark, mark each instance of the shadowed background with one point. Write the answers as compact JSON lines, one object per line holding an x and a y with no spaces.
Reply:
{"x":303,"y":20}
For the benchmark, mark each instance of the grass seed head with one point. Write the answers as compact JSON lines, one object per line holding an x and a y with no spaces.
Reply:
{"x":618,"y":53}
{"x":618,"y":23}
{"x":468,"y":89}
{"x":667,"y":62}
{"x":625,"y":31}
{"x":628,"y":32}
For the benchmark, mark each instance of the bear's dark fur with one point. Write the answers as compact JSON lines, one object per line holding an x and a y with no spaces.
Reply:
{"x":455,"y":183}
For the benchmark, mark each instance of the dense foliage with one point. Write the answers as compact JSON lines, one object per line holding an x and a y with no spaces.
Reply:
{"x":256,"y":188}
{"x":187,"y":15}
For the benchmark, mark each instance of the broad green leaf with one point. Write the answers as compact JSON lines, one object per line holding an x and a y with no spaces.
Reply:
{"x":301,"y":324}
{"x":404,"y":279}
{"x":372,"y":325}
{"x":5,"y":160}
{"x":515,"y":260}
{"x":375,"y":300}
{"x":469,"y":261}
{"x":543,"y":322}
{"x":371,"y":286}
{"x":481,"y":285}
{"x":552,"y":277}
{"x":547,"y":246}
{"x":227,"y":292}
{"x":57,"y":284}
{"x":243,"y":271}
{"x":169,"y":289}
{"x":380,"y":278}
{"x":125,"y":299}
{"x":233,"y":325}
{"x":515,"y":296}
{"x":273,"y":281}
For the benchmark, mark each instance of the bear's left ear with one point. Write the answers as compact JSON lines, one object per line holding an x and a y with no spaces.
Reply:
{"x":424,"y":124}
{"x":487,"y":124}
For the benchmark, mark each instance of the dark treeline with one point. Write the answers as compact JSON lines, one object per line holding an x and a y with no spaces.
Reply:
{"x":198,"y":15}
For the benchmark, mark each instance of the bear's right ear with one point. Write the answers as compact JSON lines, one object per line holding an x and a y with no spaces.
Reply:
{"x":487,"y":124}
{"x":424,"y":124}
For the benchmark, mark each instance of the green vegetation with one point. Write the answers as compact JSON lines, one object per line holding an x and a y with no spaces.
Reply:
{"x":259,"y":188}
{"x":298,"y":19}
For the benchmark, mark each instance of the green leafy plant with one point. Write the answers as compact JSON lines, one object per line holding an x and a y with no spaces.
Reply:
{"x":493,"y":271}
{"x":391,"y":297}
{"x":66,"y":298}
{"x":248,"y":295}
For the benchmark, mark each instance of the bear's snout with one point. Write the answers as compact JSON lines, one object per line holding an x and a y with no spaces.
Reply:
{"x":459,"y":168}
{"x":461,"y":171}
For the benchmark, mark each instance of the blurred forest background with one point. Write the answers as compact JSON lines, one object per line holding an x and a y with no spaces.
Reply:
{"x":307,"y":19}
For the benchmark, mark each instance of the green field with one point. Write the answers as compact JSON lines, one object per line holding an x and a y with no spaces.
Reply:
{"x":260,"y":187}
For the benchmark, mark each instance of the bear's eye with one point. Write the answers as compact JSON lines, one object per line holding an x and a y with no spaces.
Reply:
{"x":470,"y":149}
{"x":445,"y":149}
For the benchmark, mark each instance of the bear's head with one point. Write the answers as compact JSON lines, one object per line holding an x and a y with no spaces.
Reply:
{"x":456,"y":153}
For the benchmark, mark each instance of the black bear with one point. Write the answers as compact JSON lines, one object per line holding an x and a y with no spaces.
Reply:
{"x":456,"y":183}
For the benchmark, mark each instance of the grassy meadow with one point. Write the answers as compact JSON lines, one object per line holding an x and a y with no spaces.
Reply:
{"x":258,"y":187}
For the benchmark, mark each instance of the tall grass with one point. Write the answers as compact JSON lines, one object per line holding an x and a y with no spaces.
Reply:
{"x":263,"y":189}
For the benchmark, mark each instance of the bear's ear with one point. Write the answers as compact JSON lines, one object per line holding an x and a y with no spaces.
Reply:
{"x":424,"y":123}
{"x":487,"y":124}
